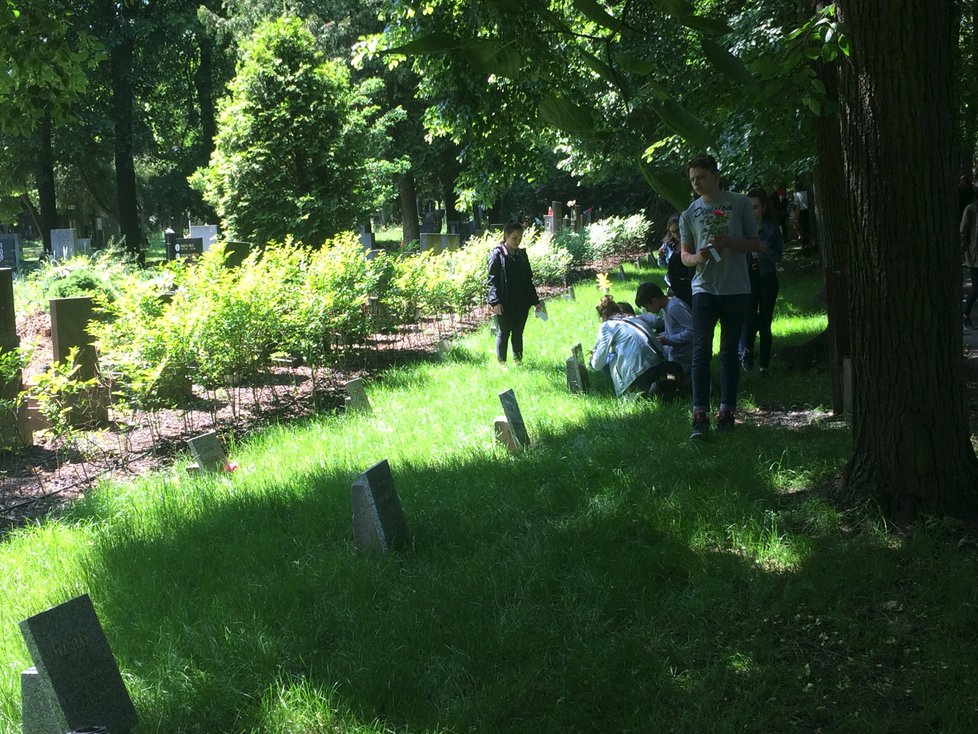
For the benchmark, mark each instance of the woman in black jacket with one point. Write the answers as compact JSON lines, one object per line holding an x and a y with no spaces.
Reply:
{"x":511,"y":291}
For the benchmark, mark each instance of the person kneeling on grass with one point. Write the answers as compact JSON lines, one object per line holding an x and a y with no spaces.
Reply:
{"x":628,"y":351}
{"x":676,"y":324}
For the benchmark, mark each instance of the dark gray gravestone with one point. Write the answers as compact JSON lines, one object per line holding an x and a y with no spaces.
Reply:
{"x":378,"y":518}
{"x":208,"y":452}
{"x":356,"y":396}
{"x":620,"y":273}
{"x":14,"y":429}
{"x":76,"y":670}
{"x":188,"y":247}
{"x":69,"y":329}
{"x":577,"y":351}
{"x":9,"y":250}
{"x":37,"y":716}
{"x":574,"y":376}
{"x":513,"y":416}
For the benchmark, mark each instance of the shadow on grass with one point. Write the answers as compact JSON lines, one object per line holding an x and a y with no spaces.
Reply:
{"x":613,"y":578}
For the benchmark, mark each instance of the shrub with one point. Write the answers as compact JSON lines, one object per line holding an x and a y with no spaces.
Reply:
{"x":577,"y":244}
{"x":617,"y":235}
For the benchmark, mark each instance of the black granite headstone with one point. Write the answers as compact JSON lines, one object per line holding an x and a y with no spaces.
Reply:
{"x":378,"y":518}
{"x":76,"y":670}
{"x":188,"y":247}
{"x":9,"y":243}
{"x":356,"y":396}
{"x":513,"y":416}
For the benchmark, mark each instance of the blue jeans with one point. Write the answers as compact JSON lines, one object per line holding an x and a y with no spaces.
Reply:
{"x":708,"y":309}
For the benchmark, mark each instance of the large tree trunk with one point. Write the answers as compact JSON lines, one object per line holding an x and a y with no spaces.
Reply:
{"x":911,"y":443}
{"x":121,"y":62}
{"x":410,"y":226}
{"x":832,"y":232}
{"x":47,"y":201}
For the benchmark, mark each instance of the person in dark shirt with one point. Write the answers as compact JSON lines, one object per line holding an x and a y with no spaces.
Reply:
{"x":679,"y":278}
{"x":510,"y":292}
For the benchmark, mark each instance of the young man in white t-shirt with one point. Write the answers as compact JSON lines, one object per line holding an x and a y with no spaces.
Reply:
{"x":716,"y":232}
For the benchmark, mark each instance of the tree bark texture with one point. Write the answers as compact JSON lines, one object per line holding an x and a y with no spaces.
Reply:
{"x":410,"y":225}
{"x":121,"y":63}
{"x":911,"y":442}
{"x":47,"y":200}
{"x":832,"y":232}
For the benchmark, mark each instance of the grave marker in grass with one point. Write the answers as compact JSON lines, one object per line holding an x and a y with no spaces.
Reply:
{"x":356,"y":397}
{"x":208,"y":453}
{"x":75,"y":683}
{"x":378,"y":518}
{"x":513,"y":433}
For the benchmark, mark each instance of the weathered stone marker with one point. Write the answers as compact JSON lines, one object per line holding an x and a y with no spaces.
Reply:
{"x":514,"y":418}
{"x":10,"y":250}
{"x":620,"y":273}
{"x":573,"y":370}
{"x":577,"y":352}
{"x":356,"y":397}
{"x":208,"y":453}
{"x":69,"y":329}
{"x":75,"y":681}
{"x":14,"y":429}
{"x":63,"y":243}
{"x":378,"y":518}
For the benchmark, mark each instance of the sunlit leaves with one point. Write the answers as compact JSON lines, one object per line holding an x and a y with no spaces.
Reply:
{"x":597,"y":13}
{"x":436,"y":42}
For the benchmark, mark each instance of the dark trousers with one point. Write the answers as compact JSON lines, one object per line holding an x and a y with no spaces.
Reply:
{"x":760,"y":313}
{"x":973,"y":296}
{"x":708,"y":309}
{"x":511,"y":322}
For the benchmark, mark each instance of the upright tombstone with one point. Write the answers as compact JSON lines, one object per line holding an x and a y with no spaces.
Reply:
{"x":14,"y":429}
{"x":208,"y":453}
{"x":69,"y":329}
{"x":10,"y":251}
{"x":75,"y":683}
{"x":577,"y":379}
{"x":83,"y":246}
{"x":378,"y":518}
{"x":511,"y":409}
{"x":558,"y":209}
{"x":206,"y":232}
{"x":368,"y":240}
{"x":573,"y":376}
{"x":170,"y":240}
{"x":63,"y":244}
{"x":356,"y":397}
{"x":187,"y":247}
{"x":620,"y":273}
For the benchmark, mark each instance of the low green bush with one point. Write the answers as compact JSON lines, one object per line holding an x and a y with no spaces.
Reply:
{"x":617,"y":235}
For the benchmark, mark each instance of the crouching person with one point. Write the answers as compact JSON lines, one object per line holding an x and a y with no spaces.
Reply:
{"x":676,"y":324}
{"x":628,"y":351}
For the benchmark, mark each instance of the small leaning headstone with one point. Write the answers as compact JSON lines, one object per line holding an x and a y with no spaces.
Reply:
{"x":356,"y":397}
{"x":577,"y":352}
{"x":573,"y":370}
{"x":208,"y":453}
{"x":77,"y":684}
{"x":514,"y":417}
{"x":378,"y":518}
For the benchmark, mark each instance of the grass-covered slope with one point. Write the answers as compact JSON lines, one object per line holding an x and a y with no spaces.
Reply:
{"x":615,"y":577}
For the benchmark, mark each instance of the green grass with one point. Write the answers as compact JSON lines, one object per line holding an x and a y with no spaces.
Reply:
{"x":613,"y":578}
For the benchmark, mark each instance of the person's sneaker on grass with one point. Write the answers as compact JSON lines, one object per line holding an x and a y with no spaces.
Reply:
{"x":725,"y":420}
{"x":701,"y":426}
